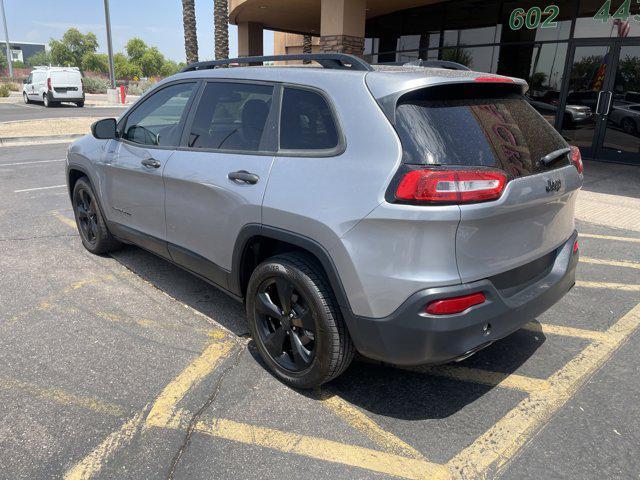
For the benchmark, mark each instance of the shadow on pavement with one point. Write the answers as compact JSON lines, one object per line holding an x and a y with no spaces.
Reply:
{"x":380,"y":389}
{"x":612,"y":179}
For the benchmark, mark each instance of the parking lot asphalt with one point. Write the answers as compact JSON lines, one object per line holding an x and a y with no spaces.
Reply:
{"x":10,"y":112}
{"x":125,"y":366}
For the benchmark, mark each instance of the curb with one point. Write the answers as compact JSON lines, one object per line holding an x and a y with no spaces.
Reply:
{"x":14,"y":141}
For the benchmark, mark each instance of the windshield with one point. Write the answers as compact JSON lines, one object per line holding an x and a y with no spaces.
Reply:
{"x":474,"y":130}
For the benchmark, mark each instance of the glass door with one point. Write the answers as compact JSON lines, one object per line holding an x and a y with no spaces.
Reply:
{"x":601,"y":108}
{"x":620,"y":140}
{"x":586,"y":89}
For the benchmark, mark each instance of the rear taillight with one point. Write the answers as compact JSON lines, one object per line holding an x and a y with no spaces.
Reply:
{"x":49,"y":83}
{"x":451,"y":186}
{"x":576,"y":159}
{"x":451,"y":306}
{"x":576,"y":246}
{"x":494,"y":80}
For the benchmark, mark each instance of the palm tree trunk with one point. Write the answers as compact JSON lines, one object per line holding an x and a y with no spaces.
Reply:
{"x":190,"y":34}
{"x":221,"y":24}
{"x":306,"y":46}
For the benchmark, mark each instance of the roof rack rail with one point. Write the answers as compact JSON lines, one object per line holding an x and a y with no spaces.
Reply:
{"x":437,"y":64}
{"x":335,"y":61}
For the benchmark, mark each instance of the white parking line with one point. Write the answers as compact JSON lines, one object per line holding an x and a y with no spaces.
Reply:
{"x":39,"y":188}
{"x":30,"y":163}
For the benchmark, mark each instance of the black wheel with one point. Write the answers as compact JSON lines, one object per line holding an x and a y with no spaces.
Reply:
{"x":45,"y":101}
{"x":629,"y":126}
{"x":93,"y":230}
{"x":296,"y":323}
{"x":80,"y":104}
{"x":25,"y":97}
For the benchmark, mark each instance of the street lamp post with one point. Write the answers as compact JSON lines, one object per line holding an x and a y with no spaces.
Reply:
{"x":6,"y":37}
{"x":112,"y":73}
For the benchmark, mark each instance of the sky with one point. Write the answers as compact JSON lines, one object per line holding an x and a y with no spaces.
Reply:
{"x":158,"y":23}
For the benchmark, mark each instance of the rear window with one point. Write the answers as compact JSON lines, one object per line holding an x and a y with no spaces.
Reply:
{"x":66,"y":78}
{"x":472,"y":126}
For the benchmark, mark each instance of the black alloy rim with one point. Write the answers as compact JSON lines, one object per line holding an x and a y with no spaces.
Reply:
{"x":87,"y":215}
{"x":285,"y":324}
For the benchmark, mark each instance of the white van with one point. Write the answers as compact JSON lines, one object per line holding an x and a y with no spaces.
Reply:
{"x":52,"y":85}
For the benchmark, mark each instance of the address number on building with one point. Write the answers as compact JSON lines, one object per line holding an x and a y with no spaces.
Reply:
{"x":534,"y":17}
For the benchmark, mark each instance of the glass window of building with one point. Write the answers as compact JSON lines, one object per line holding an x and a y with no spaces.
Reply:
{"x":471,"y":22}
{"x":536,"y":20}
{"x":596,"y":19}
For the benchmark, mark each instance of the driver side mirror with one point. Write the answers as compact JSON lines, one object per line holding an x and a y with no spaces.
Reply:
{"x":104,"y":129}
{"x":25,"y":81}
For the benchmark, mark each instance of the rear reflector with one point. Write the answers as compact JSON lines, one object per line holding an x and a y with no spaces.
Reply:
{"x":450,"y":306}
{"x":451,"y":186}
{"x":494,"y":80}
{"x":576,"y":159}
{"x":576,"y":247}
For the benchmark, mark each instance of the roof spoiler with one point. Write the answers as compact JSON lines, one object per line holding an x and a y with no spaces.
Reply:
{"x":334,"y":61}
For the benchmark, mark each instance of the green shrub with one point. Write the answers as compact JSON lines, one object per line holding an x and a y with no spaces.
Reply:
{"x":140,"y":87}
{"x":95,"y":85}
{"x":4,"y":90}
{"x":14,"y":86}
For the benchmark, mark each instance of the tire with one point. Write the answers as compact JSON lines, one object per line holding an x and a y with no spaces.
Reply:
{"x":25,"y":97}
{"x":80,"y":104}
{"x":93,"y":230}
{"x":629,"y":126}
{"x":45,"y":101}
{"x":313,"y":305}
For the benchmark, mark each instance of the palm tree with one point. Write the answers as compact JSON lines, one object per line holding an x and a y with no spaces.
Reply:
{"x":306,"y":45}
{"x":221,"y":24}
{"x":190,"y":34}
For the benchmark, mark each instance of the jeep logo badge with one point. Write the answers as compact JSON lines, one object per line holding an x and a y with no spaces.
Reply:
{"x":554,"y":185}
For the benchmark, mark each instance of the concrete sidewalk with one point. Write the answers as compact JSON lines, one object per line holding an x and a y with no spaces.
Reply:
{"x":610,"y":196}
{"x":91,"y":99}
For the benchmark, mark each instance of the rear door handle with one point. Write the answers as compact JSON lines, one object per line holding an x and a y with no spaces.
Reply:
{"x":244,"y":176}
{"x":151,"y":163}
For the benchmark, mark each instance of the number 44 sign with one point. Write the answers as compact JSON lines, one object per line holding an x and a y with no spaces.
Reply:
{"x":534,"y":17}
{"x":623,"y":13}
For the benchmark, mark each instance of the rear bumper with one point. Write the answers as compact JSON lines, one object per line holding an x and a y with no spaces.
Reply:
{"x":411,"y":337}
{"x":53,"y":97}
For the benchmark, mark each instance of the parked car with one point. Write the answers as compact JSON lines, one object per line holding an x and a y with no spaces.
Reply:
{"x":52,"y":85}
{"x":626,"y":116}
{"x":415,"y":215}
{"x":573,"y":114}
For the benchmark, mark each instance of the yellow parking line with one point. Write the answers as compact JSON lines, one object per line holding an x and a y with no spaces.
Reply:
{"x":63,"y":398}
{"x":545,"y":328}
{"x":93,"y":463}
{"x":64,"y":219}
{"x":625,"y":287}
{"x":486,"y":377}
{"x":164,"y":407}
{"x":361,"y":422}
{"x":610,"y":237}
{"x":322,"y":449}
{"x":162,"y":414}
{"x":613,"y":263}
{"x":493,"y":449}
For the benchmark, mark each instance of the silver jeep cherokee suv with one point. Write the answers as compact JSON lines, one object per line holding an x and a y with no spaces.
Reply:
{"x":412,"y":214}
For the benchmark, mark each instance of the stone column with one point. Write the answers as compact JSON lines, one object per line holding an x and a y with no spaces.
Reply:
{"x":342,"y":26}
{"x":250,"y":39}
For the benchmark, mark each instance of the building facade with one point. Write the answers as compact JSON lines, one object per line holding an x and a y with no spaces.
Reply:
{"x":580,"y":57}
{"x":22,"y":51}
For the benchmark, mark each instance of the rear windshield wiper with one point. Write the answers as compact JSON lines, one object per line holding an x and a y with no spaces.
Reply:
{"x":553,"y":156}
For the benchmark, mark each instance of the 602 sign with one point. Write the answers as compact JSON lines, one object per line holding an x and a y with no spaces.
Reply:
{"x":534,"y":17}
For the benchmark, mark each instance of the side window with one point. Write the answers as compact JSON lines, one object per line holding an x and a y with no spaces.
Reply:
{"x":30,"y":79}
{"x":232,"y":116}
{"x":306,"y":122}
{"x":157,"y":121}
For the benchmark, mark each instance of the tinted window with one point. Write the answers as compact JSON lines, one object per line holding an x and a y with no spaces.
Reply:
{"x":499,"y":131}
{"x":307,"y":122}
{"x":232,"y":116}
{"x":157,"y":121}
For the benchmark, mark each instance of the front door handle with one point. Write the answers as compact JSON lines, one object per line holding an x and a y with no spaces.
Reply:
{"x":244,"y":176}
{"x":151,"y":163}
